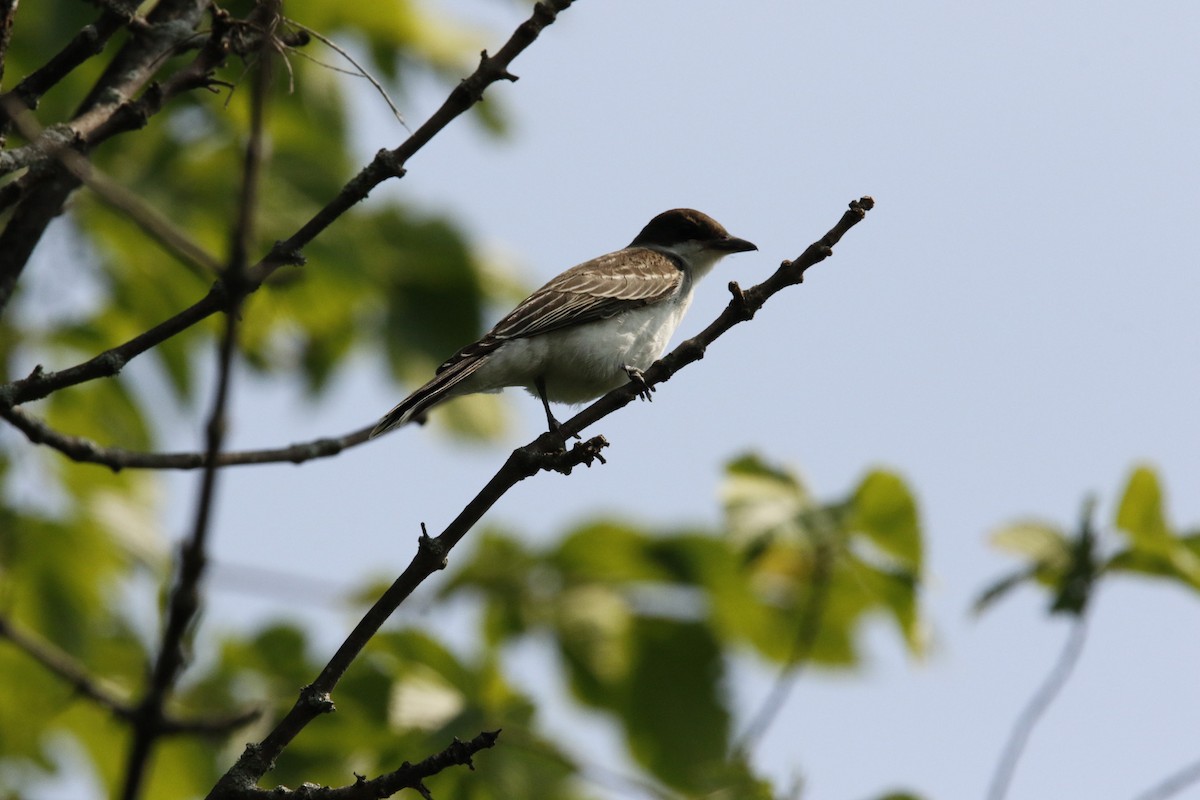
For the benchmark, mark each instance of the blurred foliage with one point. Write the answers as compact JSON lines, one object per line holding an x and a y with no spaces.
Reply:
{"x":1071,"y":564}
{"x":389,"y":278}
{"x":644,"y":621}
{"x":406,"y":697}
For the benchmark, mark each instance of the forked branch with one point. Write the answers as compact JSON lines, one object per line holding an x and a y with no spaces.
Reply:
{"x":544,"y":453}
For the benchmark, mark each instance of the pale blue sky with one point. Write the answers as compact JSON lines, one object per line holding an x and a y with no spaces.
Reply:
{"x":1013,"y":327}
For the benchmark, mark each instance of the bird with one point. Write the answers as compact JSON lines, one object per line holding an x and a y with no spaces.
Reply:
{"x":593,"y":328}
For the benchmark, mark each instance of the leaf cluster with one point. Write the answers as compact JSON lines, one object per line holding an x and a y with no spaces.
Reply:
{"x":644,"y":621}
{"x":1070,"y":565}
{"x":392,"y":280}
{"x":83,"y":561}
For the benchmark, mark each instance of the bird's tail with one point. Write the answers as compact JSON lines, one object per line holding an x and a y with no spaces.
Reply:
{"x":445,"y":385}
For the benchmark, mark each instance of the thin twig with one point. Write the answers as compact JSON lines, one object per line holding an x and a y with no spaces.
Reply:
{"x":43,"y":197}
{"x":544,"y":453}
{"x":66,"y":667}
{"x":87,"y":451}
{"x":359,"y":70}
{"x":89,"y":42}
{"x":218,"y":725}
{"x":408,"y":776}
{"x":741,"y":308}
{"x":184,"y":601}
{"x":61,"y":664}
{"x":161,"y":36}
{"x":174,"y":240}
{"x":1173,"y":784}
{"x":1037,"y":706}
{"x":386,"y":164}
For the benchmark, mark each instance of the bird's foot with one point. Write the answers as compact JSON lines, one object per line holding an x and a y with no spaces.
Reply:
{"x":636,"y":377}
{"x":556,"y":428}
{"x":554,"y":425}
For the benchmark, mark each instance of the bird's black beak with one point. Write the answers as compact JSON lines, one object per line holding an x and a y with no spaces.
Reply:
{"x":732,"y":244}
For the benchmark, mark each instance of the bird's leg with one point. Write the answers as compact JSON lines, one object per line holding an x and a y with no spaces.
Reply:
{"x":555,"y":425}
{"x":635,"y":376}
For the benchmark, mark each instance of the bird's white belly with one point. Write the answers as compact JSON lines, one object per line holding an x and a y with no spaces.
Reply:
{"x":584,"y":362}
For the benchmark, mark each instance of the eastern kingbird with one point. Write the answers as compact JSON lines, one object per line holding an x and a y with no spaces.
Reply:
{"x":591,"y":329}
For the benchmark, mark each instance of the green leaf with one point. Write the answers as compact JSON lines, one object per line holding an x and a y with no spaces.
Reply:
{"x":500,"y":570}
{"x":430,"y":280}
{"x":104,"y":410}
{"x":884,"y":509}
{"x":825,"y":565}
{"x":30,"y":713}
{"x":854,"y":591}
{"x":594,"y":627}
{"x":58,"y":576}
{"x":765,"y":505}
{"x":1178,"y":562}
{"x":750,"y":479}
{"x":1141,"y":511}
{"x":1066,"y":565}
{"x":607,"y":550}
{"x":674,"y":715}
{"x":182,"y":767}
{"x":1041,"y":544}
{"x":999,"y":588}
{"x":1154,"y":547}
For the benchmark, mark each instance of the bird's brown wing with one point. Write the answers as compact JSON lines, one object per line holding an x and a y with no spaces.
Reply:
{"x":596,"y":289}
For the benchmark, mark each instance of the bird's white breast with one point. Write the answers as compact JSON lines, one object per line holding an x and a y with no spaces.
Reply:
{"x":584,"y":362}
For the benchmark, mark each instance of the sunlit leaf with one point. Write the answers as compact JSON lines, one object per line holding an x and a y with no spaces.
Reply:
{"x":762,"y":503}
{"x":607,"y":551}
{"x":1140,"y":513}
{"x":884,"y":509}
{"x":1155,"y":549}
{"x":594,"y":628}
{"x":1040,"y":543}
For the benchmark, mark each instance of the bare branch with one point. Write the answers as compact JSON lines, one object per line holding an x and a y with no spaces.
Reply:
{"x":87,"y":43}
{"x":103,"y":693}
{"x":741,"y":308}
{"x":386,"y":164}
{"x":86,"y":451}
{"x":544,"y":453}
{"x":153,"y":223}
{"x":408,"y":776}
{"x":217,"y":725}
{"x":184,"y":602}
{"x":43,"y":196}
{"x":359,"y":71}
{"x":63,"y":665}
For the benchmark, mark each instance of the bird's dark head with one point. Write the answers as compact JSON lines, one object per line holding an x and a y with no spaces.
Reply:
{"x":686,"y":226}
